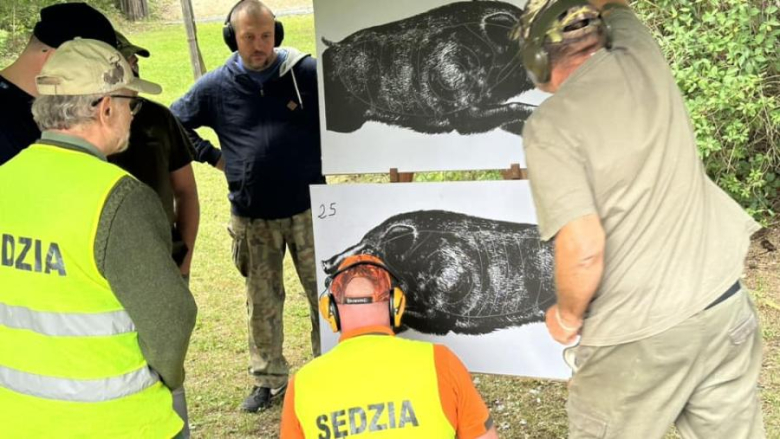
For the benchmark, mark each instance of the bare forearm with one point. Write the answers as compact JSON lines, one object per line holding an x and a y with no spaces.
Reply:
{"x":187,"y":220}
{"x":187,"y":211}
{"x":579,"y":265}
{"x":576,"y":284}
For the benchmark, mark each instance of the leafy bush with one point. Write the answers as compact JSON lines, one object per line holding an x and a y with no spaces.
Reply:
{"x":724,"y":57}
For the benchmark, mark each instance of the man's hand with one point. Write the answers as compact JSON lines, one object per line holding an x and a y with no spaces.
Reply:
{"x":220,"y":164}
{"x":563,"y":329}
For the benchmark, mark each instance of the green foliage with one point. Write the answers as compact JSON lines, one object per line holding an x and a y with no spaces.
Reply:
{"x":18,"y":17}
{"x":458,"y":176}
{"x":724,"y":57}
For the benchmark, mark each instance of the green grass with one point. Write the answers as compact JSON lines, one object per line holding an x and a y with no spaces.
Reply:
{"x":216,"y":365}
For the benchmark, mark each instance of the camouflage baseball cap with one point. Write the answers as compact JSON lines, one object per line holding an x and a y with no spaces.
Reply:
{"x":577,"y":21}
{"x":128,"y":49}
{"x":83,"y":67}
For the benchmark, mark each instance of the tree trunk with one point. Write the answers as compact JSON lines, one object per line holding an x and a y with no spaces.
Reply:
{"x":133,"y":10}
{"x":196,"y":59}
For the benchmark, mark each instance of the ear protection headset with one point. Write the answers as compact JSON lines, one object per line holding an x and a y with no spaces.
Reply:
{"x":229,"y":34}
{"x":397,"y":300}
{"x":535,"y":57}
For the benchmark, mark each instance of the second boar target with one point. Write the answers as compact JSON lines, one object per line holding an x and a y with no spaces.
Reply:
{"x":468,"y":256}
{"x":424,"y":85}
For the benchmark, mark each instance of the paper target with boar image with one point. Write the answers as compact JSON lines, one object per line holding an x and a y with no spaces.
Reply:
{"x":468,"y":256}
{"x":420,"y":85}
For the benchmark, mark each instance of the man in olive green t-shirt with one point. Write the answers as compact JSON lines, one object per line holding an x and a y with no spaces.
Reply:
{"x":648,"y":250}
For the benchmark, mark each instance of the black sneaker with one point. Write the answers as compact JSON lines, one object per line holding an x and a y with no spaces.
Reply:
{"x":262,"y":397}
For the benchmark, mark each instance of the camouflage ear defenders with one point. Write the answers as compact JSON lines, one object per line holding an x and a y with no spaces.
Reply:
{"x":554,"y":21}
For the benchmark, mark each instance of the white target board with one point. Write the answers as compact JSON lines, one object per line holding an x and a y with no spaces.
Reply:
{"x":468,"y":256}
{"x":421,"y":85}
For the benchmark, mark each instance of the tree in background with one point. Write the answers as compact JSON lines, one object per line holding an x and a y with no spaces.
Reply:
{"x":133,"y":10}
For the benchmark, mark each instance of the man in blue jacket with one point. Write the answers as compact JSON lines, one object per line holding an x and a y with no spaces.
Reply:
{"x":263,"y":105}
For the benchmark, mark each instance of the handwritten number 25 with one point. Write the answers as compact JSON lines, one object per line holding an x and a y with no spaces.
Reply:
{"x":327,"y":211}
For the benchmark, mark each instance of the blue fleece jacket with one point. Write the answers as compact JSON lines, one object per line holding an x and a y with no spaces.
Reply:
{"x":269,"y":134}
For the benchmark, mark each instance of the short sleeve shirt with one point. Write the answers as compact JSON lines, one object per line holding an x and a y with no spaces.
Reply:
{"x":616,"y":140}
{"x":158,"y":146}
{"x":17,"y":127}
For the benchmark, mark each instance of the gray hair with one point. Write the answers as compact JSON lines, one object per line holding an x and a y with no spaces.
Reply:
{"x":560,"y":53}
{"x":64,"y":112}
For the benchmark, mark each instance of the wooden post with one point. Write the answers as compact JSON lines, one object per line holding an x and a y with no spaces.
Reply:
{"x":400,"y":177}
{"x":196,"y":59}
{"x":515,"y":172}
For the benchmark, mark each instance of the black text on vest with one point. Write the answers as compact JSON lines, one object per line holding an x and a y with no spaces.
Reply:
{"x":26,"y":254}
{"x":374,"y":417}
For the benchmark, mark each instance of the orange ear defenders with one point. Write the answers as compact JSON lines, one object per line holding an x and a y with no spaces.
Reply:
{"x":397,"y":300}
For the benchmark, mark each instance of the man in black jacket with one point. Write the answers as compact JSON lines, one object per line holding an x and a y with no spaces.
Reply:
{"x":263,"y":106}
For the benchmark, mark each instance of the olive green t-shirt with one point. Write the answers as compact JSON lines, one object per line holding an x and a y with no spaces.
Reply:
{"x":158,"y":146}
{"x":616,"y":140}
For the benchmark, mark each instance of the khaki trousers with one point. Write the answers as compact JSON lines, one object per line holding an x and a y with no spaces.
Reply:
{"x":259,"y":247}
{"x":701,"y":375}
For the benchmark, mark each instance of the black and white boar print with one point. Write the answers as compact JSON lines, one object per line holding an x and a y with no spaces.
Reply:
{"x":452,"y":68}
{"x":461,"y":273}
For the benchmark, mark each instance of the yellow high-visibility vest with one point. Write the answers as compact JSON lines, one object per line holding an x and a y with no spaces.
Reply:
{"x":70,"y":363}
{"x":372,"y":386}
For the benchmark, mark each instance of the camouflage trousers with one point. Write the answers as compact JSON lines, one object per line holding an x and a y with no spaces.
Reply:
{"x":259,"y":247}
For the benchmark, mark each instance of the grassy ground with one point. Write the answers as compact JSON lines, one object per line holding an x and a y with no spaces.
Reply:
{"x":217,"y":380}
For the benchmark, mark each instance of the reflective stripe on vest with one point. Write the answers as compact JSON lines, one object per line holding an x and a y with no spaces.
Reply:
{"x":378,"y":385}
{"x":77,"y":390}
{"x":66,"y":324}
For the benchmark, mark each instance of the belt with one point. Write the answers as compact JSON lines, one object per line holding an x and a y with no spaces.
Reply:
{"x":730,"y":292}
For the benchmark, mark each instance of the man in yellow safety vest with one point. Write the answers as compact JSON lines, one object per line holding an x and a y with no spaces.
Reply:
{"x":374,"y":383}
{"x":95,"y":318}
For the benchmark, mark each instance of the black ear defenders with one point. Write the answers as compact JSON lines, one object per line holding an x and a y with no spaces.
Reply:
{"x":535,"y":58}
{"x":229,"y":33}
{"x":397,"y":301}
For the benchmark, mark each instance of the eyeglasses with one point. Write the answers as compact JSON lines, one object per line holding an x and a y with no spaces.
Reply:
{"x":135,"y":102}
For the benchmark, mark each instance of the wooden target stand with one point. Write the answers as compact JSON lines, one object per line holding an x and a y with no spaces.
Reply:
{"x":515,"y":172}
